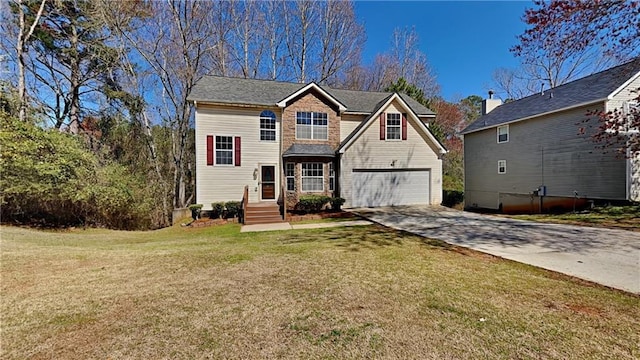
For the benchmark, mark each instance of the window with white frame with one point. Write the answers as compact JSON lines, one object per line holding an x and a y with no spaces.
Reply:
{"x":312,"y":125}
{"x":312,"y":177}
{"x":632,"y":112}
{"x":290,"y":174}
{"x":394,"y":126}
{"x":503,"y":134}
{"x":224,"y":150}
{"x":267,"y":126}
{"x":502,"y":166}
{"x":332,"y":177}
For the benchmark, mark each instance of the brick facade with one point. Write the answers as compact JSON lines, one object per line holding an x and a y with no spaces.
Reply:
{"x":309,"y":101}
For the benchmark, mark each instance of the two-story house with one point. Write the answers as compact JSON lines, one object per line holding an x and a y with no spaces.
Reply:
{"x":283,"y":140}
{"x":537,"y":153}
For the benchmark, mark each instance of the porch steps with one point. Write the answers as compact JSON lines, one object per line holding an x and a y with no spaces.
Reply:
{"x":262,"y":213}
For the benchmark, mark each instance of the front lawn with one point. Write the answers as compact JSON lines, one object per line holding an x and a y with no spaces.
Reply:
{"x":615,"y":217}
{"x":363,"y":292}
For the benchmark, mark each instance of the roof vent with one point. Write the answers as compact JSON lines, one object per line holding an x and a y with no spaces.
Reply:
{"x":542,"y":89}
{"x":490,"y":94}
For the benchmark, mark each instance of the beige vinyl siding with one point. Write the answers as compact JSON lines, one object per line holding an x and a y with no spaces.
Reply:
{"x":348,"y":123}
{"x":629,"y":93}
{"x":541,"y":151}
{"x":369,"y":152}
{"x":226,"y":183}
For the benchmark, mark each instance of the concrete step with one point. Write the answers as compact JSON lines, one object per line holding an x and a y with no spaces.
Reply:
{"x":263,"y":221}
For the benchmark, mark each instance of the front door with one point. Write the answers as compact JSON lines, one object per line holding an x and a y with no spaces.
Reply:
{"x":268,"y":182}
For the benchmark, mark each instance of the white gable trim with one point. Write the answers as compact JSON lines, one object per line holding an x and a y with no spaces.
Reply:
{"x":623,"y":86}
{"x":421,"y":126}
{"x":536,"y":116}
{"x":283,"y":103}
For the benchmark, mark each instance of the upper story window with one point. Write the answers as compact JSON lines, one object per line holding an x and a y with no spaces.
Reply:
{"x":312,"y":125}
{"x":224,"y":150}
{"x":503,"y":134}
{"x":502,"y":166}
{"x":394,"y":126}
{"x":267,"y":126}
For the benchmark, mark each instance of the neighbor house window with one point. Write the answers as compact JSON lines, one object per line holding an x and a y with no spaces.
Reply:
{"x":502,"y":166}
{"x":267,"y":126}
{"x":394,"y":126}
{"x":290,"y":174}
{"x":312,"y":177}
{"x":224,"y":150}
{"x":311,"y":125}
{"x":503,"y":134}
{"x":332,"y":177}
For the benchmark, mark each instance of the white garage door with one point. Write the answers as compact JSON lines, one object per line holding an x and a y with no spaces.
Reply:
{"x":390,"y":187}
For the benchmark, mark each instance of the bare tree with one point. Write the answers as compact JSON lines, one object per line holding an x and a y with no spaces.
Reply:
{"x":25,"y":30}
{"x":179,"y":45}
{"x":341,"y":41}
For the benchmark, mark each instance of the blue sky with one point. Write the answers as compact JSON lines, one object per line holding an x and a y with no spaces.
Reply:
{"x":465,"y":41}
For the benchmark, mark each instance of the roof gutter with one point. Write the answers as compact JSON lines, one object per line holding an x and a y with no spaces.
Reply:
{"x":537,"y":115}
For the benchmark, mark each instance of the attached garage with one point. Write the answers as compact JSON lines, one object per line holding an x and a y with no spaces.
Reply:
{"x":390,"y":187}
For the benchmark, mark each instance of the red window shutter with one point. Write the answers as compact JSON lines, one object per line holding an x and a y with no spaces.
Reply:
{"x":237,"y":150}
{"x":383,"y":131}
{"x":404,"y":126}
{"x":209,"y":149}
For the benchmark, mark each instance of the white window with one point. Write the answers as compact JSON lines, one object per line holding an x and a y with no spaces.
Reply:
{"x":502,"y":166}
{"x":290,"y":174}
{"x":312,"y":177}
{"x":503,"y":134}
{"x":224,"y":150}
{"x":394,"y":126}
{"x":631,"y":110}
{"x":311,"y":125}
{"x":267,"y":126}
{"x":332,"y":177}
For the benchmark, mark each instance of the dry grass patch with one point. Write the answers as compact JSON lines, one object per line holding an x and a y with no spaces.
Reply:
{"x":614,"y":217}
{"x":364,"y":292}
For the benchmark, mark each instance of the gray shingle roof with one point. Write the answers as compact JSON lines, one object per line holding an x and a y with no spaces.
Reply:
{"x":228,"y":90}
{"x":582,"y":91}
{"x":309,"y":150}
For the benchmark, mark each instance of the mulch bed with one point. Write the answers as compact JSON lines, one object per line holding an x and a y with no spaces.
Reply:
{"x":293,"y":217}
{"x":204,"y":222}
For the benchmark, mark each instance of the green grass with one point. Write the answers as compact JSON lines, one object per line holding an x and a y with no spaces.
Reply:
{"x":363,"y":292}
{"x":623,"y":217}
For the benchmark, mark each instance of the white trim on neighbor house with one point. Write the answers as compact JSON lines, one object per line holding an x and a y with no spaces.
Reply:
{"x":283,"y":103}
{"x":374,"y":117}
{"x":538,"y":115}
{"x":506,"y":133}
{"x":502,"y":167}
{"x":623,"y":86}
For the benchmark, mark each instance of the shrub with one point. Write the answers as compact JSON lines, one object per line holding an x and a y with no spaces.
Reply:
{"x":336,"y":203}
{"x":451,"y":198}
{"x":312,"y":203}
{"x":216,"y":210}
{"x":196,"y":209}
{"x":50,"y":178}
{"x":233,"y":208}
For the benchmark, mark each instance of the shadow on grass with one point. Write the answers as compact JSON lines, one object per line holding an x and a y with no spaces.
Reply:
{"x":361,"y":237}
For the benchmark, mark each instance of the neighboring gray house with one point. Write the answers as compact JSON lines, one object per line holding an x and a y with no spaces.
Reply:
{"x":283,"y":140}
{"x":529,"y":154}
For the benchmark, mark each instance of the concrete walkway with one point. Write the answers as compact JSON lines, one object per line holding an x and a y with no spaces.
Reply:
{"x":287,"y":226}
{"x":605,"y":256}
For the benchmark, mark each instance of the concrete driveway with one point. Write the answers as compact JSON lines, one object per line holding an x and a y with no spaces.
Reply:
{"x":605,"y":256}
